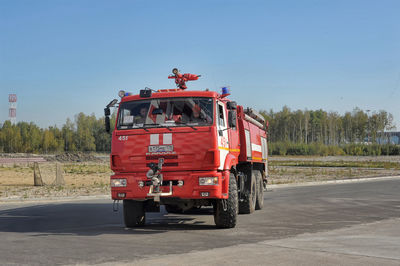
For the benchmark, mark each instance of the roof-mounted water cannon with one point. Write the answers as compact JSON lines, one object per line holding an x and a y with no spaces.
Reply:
{"x":180,"y":79}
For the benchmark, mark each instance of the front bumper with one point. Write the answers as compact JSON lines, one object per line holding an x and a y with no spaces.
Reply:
{"x":189,"y":190}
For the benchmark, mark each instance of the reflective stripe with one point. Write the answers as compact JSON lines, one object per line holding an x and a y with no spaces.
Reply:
{"x":256,"y":147}
{"x":260,"y":159}
{"x":167,"y":138}
{"x":227,"y":149}
{"x":154,"y":139}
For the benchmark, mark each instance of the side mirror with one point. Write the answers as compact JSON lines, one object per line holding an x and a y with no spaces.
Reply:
{"x":112,"y":103}
{"x":232,"y":119}
{"x":107,"y":111}
{"x":157,"y":111}
{"x":107,"y":124}
{"x":231,"y":105}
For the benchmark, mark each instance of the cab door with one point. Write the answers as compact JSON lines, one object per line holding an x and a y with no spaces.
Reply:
{"x":223,"y":143}
{"x":233,"y":133}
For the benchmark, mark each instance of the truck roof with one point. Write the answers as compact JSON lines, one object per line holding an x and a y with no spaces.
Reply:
{"x":173,"y":93}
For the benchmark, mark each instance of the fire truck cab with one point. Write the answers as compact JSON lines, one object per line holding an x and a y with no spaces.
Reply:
{"x":184,"y":150}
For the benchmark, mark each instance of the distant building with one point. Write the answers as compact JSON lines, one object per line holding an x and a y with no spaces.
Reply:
{"x":392,"y":136}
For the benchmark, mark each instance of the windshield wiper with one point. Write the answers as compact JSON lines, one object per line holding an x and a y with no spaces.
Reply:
{"x":186,"y":124}
{"x":155,"y":124}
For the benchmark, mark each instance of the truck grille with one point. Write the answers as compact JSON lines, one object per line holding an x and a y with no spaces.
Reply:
{"x":165,"y":164}
{"x":164,"y":183}
{"x":156,"y":157}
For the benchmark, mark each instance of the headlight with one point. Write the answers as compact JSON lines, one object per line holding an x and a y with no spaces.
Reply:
{"x":120,"y":182}
{"x":208,"y":181}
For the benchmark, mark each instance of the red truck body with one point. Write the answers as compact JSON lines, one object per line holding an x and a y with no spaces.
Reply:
{"x":227,"y":144}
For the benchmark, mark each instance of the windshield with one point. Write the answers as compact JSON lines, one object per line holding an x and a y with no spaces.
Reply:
{"x":166,"y":112}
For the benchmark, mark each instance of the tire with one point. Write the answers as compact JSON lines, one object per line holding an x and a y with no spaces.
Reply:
{"x":173,"y":209}
{"x":260,"y":191}
{"x":227,"y":218}
{"x":248,"y":204}
{"x":134,"y":214}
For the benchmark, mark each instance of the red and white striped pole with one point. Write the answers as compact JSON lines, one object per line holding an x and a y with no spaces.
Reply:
{"x":12,"y":111}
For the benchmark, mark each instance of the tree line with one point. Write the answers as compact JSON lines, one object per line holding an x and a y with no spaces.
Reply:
{"x":306,"y":132}
{"x":85,"y":133}
{"x":317,"y":132}
{"x":328,"y":128}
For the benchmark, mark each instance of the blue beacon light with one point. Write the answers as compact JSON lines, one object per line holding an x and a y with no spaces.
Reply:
{"x":225,"y":91}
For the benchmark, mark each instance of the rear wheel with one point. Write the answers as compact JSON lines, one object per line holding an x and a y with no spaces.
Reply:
{"x":248,"y":203}
{"x":134,"y":214}
{"x":260,"y":191}
{"x":226,"y":210}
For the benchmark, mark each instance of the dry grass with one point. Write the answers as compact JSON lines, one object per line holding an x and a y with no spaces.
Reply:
{"x":80,"y":179}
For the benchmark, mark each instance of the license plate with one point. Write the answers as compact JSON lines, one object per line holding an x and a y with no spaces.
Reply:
{"x":161,"y":148}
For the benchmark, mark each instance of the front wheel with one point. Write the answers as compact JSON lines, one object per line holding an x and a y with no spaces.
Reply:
{"x":134,"y":214}
{"x":226,"y":210}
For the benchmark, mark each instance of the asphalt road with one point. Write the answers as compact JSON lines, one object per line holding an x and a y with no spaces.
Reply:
{"x":353,"y":223}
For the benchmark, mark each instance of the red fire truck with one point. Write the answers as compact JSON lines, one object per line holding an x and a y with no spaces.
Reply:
{"x":187,"y":149}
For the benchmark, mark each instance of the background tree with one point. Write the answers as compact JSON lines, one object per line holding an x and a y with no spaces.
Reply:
{"x":306,"y":128}
{"x":85,"y":140}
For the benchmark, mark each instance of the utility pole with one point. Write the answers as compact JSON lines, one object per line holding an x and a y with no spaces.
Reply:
{"x":369,"y":126}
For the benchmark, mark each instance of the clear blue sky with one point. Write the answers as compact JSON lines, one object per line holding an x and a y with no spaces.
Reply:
{"x":66,"y":57}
